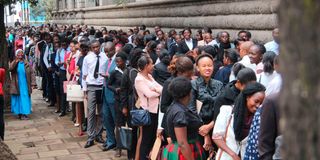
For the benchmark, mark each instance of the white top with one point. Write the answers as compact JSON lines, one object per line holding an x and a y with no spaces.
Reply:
{"x":246,"y":62}
{"x":88,"y":66}
{"x":212,"y":43}
{"x":265,"y":78}
{"x":47,"y":54}
{"x":220,"y":129}
{"x":189,"y":43}
{"x":274,"y":85}
{"x":272,"y":46}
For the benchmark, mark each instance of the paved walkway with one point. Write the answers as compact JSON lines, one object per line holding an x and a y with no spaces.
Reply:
{"x":47,"y":137}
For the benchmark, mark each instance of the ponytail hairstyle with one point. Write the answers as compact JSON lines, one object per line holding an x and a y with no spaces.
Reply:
{"x":268,"y":61}
{"x":240,"y":108}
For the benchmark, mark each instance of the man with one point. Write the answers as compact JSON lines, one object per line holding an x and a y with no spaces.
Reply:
{"x":92,"y":68}
{"x":274,"y":45}
{"x":244,"y":35}
{"x":59,"y":61}
{"x":44,"y":48}
{"x":188,"y":43}
{"x":108,"y":98}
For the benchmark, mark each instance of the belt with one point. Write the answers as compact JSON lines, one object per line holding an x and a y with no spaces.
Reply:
{"x":94,"y":85}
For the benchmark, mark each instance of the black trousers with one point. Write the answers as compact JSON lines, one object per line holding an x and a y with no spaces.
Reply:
{"x":1,"y":117}
{"x":63,"y":96}
{"x":149,"y":134}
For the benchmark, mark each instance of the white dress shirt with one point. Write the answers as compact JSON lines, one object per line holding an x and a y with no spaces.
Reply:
{"x":88,"y":67}
{"x":47,"y":54}
{"x":272,"y":46}
{"x":189,"y":43}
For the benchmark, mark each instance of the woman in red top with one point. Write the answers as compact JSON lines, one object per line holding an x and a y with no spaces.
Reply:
{"x":18,"y":44}
{"x":2,"y":79}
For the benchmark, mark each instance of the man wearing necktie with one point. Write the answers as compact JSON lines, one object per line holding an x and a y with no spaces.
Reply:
{"x":108,"y":98}
{"x":92,"y":69}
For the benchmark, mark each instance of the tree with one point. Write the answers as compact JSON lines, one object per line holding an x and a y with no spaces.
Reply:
{"x":300,"y":46}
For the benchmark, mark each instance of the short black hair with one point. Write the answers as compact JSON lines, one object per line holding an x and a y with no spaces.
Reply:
{"x":179,"y":87}
{"x":246,"y":75}
{"x":122,"y":55}
{"x":268,"y":61}
{"x":210,"y":50}
{"x":164,"y":56}
{"x":203,"y":56}
{"x":232,"y":54}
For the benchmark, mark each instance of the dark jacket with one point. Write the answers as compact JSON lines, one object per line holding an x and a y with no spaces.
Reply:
{"x":183,"y":47}
{"x":161,"y":73}
{"x":226,"y":97}
{"x":14,"y":85}
{"x":114,"y":83}
{"x":223,"y":74}
{"x":269,"y":127}
{"x":127,"y":95}
{"x":207,"y":94}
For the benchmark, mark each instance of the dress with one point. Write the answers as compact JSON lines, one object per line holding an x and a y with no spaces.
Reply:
{"x":21,"y":104}
{"x":181,"y":116}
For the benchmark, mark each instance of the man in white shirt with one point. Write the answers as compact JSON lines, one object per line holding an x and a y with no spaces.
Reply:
{"x":93,"y":68}
{"x":273,"y":45}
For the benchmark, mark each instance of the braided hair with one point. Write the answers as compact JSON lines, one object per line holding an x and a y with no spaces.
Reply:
{"x":241,"y":110}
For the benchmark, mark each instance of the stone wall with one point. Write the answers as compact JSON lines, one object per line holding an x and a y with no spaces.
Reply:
{"x":258,"y":16}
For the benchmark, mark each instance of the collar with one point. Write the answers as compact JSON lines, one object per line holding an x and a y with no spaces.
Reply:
{"x":118,"y":69}
{"x":189,"y":41}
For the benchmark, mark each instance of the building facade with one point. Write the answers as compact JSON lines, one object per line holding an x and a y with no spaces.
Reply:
{"x":257,"y":16}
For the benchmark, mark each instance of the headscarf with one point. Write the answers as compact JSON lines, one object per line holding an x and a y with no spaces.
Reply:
{"x":240,"y":107}
{"x":19,"y":50}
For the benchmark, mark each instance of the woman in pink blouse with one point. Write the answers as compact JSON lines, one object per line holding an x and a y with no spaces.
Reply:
{"x":148,"y":91}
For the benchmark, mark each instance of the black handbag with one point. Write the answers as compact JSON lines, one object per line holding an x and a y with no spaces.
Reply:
{"x":140,"y":117}
{"x":125,"y":138}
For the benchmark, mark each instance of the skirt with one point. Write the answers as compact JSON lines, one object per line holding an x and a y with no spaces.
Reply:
{"x":173,"y":151}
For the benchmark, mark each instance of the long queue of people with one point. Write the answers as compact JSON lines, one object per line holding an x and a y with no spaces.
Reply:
{"x":203,"y":97}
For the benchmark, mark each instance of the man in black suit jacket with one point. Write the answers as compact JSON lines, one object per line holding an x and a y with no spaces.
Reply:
{"x":188,"y":43}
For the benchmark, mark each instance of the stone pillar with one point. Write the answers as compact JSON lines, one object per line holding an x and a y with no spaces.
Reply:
{"x":81,"y":4}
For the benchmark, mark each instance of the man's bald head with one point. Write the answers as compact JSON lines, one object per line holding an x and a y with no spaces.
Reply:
{"x":275,"y":35}
{"x":244,"y":48}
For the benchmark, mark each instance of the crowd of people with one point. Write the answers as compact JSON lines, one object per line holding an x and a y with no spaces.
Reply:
{"x":206,"y":96}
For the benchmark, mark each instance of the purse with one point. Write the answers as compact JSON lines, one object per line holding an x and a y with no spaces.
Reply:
{"x":68,"y":82}
{"x":74,"y":92}
{"x":140,"y":117}
{"x":125,"y":137}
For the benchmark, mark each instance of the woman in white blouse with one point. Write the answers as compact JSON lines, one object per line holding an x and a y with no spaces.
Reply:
{"x":233,"y":123}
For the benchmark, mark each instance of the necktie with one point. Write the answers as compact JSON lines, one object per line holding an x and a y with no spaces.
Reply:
{"x":109,"y":65}
{"x":96,"y":69}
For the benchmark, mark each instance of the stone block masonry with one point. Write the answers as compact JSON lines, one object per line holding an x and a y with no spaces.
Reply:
{"x":258,"y":16}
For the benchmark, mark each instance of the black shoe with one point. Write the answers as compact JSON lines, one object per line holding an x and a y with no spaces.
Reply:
{"x":24,"y":117}
{"x":89,"y":144}
{"x":100,"y":140}
{"x":57,"y":111}
{"x":62,"y":114}
{"x":108,"y":148}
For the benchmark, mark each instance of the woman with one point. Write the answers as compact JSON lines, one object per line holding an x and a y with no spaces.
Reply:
{"x":21,"y":86}
{"x":81,"y":106}
{"x":148,"y":91}
{"x":183,"y":124}
{"x":204,"y":92}
{"x":230,"y":57}
{"x":180,"y":66}
{"x":160,"y":72}
{"x":151,"y":50}
{"x":268,"y":73}
{"x":128,"y":99}
{"x":114,"y":85}
{"x":233,"y":123}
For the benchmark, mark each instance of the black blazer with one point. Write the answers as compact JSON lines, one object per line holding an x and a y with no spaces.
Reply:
{"x":183,"y":47}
